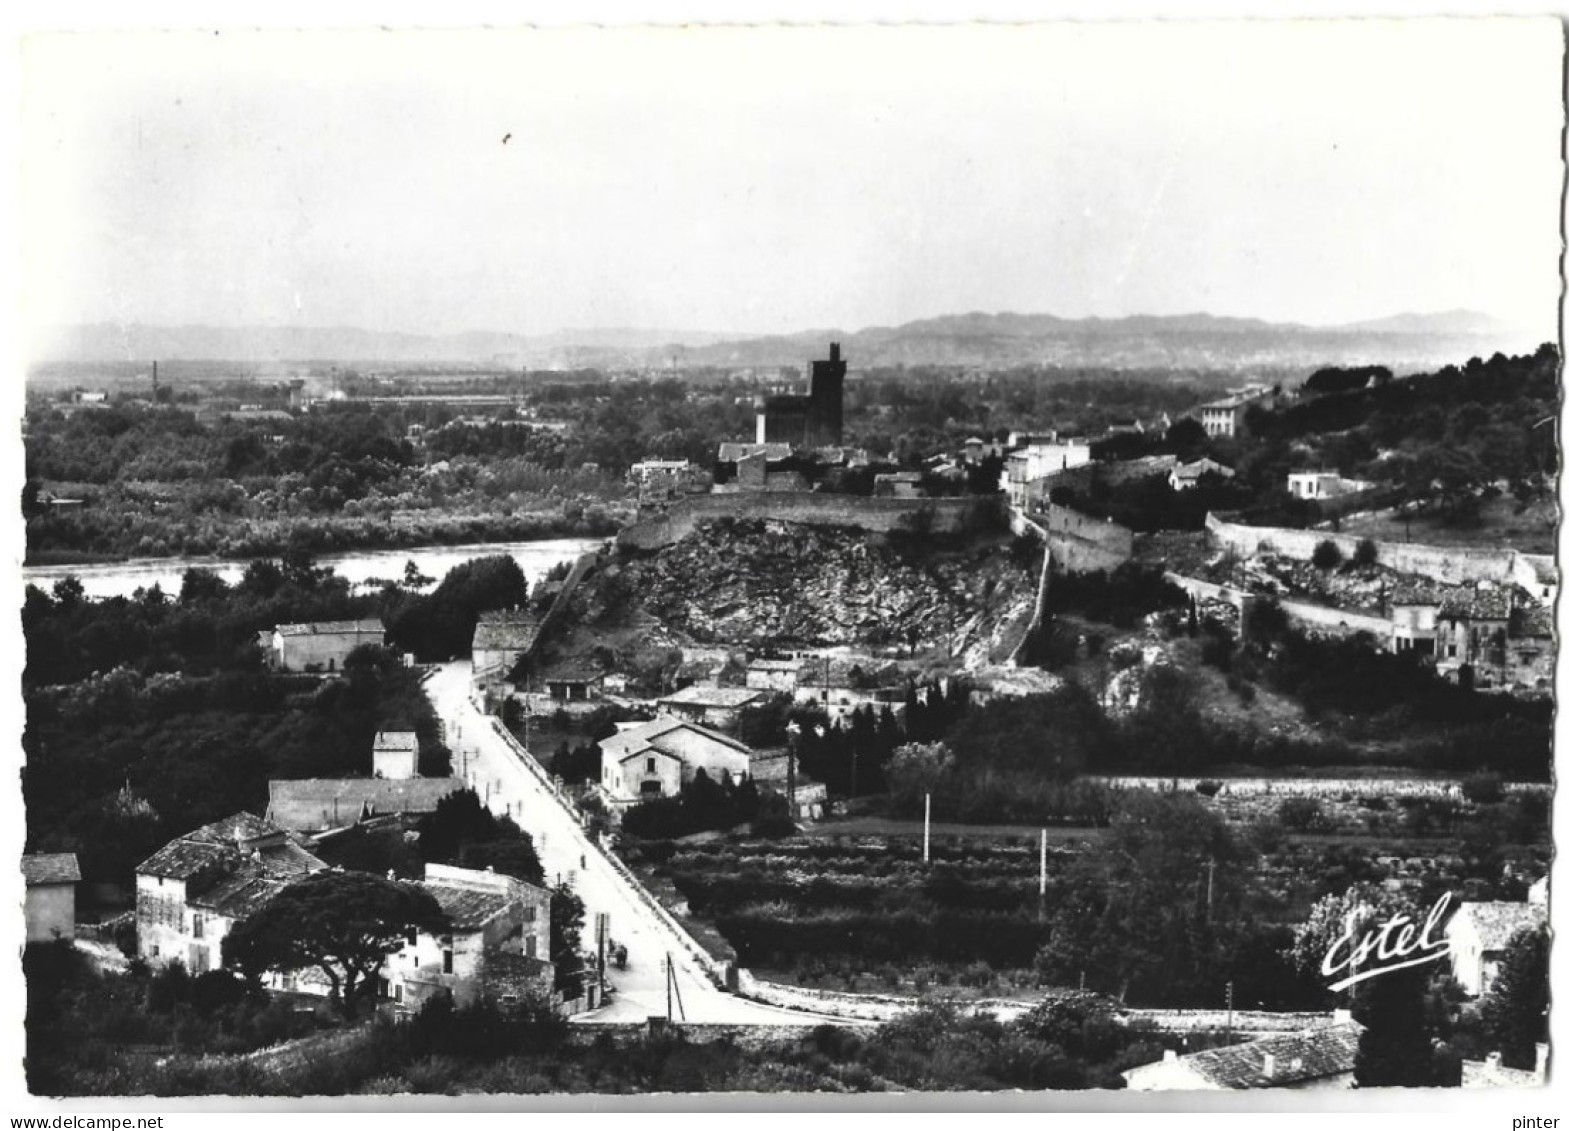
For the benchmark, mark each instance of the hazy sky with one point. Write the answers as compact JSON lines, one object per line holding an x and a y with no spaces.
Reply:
{"x":764,"y":180}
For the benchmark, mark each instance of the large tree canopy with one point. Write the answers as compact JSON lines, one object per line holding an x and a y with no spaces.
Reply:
{"x":344,"y":923}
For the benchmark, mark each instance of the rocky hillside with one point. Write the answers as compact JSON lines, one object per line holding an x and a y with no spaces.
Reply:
{"x":756,"y":582}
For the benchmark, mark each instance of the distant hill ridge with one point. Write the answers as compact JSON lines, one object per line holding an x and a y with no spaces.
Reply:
{"x":969,"y":339}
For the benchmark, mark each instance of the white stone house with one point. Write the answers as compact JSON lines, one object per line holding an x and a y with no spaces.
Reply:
{"x":657,"y":759}
{"x":192,"y":891}
{"x":1478,"y":935}
{"x":319,"y":647}
{"x":395,"y":754}
{"x":719,"y":707}
{"x":50,"y":904}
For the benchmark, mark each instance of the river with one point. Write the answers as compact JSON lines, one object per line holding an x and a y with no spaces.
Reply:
{"x":121,"y":579}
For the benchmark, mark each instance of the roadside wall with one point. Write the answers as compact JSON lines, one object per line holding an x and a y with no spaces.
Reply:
{"x":1449,"y":564}
{"x":1319,"y":620}
{"x":809,"y":508}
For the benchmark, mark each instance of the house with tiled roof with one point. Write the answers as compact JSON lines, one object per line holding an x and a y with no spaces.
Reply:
{"x":314,"y":805}
{"x":502,"y":637}
{"x":322,"y":646}
{"x":195,"y":888}
{"x":1478,"y":935}
{"x":50,"y":904}
{"x":576,"y":680}
{"x":718,"y":707}
{"x":657,"y":759}
{"x":1186,"y":476}
{"x":496,"y":944}
{"x":1317,"y":1059}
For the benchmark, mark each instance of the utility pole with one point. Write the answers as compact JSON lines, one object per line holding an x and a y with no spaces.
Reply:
{"x":1210,"y":900}
{"x":926,"y":834}
{"x":1043,"y":865}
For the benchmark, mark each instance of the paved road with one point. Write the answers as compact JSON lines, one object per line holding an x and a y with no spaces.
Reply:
{"x":509,"y":788}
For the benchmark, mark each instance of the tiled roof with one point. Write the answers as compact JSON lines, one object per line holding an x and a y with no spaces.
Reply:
{"x":214,"y":844}
{"x":1467,"y":603}
{"x":239,"y":895}
{"x":467,"y":908}
{"x":573,"y":671}
{"x":722,"y":697}
{"x":1311,"y":1054}
{"x":1418,"y":593}
{"x":774,"y":666}
{"x":396,"y":740}
{"x":506,"y":631}
{"x":634,"y":740}
{"x":1495,"y":923}
{"x":332,"y":628}
{"x":313,"y":804}
{"x":51,"y":868}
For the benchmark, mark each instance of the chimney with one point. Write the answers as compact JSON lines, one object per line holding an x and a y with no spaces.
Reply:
{"x":1269,"y":1066}
{"x":833,"y":351}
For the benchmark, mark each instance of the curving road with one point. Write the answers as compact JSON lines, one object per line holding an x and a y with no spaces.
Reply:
{"x":489,"y":764}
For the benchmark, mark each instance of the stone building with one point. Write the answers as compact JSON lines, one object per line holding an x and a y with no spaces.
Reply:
{"x":1478,"y":935}
{"x":50,"y":906}
{"x":395,"y":754}
{"x":501,"y":639}
{"x":496,"y":945}
{"x":192,"y":891}
{"x":314,"y":805}
{"x":657,"y":759}
{"x":320,"y":647}
{"x":812,"y":421}
{"x":719,"y":707}
{"x":1318,"y":1059}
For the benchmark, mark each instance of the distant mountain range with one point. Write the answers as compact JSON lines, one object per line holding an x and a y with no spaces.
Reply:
{"x":1191,"y":341}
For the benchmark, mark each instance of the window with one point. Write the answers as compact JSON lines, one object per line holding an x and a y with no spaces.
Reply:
{"x":413,"y":937}
{"x":155,"y":950}
{"x":653,"y":765}
{"x":198,"y":924}
{"x":397,"y":992}
{"x":446,"y":962}
{"x":529,"y":914}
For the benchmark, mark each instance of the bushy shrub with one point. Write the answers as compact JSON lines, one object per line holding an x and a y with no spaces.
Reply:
{"x":1301,"y":813}
{"x":1327,"y":555}
{"x":1484,"y":788}
{"x":1209,"y":787}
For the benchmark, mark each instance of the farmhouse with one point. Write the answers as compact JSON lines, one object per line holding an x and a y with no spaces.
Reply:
{"x":50,"y":907}
{"x":1186,"y":476}
{"x":574,"y":681}
{"x":1315,"y":485}
{"x":395,"y":754}
{"x":314,"y":805}
{"x":1478,"y":935}
{"x":657,"y":759}
{"x":712,"y":706}
{"x":320,"y":647}
{"x":192,"y":891}
{"x":1312,"y":1059}
{"x":497,"y":945}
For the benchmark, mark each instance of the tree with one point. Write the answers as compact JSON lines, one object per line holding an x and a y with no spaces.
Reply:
{"x":1395,"y":1049}
{"x":1515,"y":1008}
{"x":1327,"y":555}
{"x":1366,"y":555}
{"x":345,"y":924}
{"x":566,"y":938}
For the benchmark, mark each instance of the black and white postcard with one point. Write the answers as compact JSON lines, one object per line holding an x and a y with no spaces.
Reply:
{"x":788,"y":561}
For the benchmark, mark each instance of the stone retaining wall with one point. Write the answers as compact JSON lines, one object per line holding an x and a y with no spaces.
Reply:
{"x":879,"y":515}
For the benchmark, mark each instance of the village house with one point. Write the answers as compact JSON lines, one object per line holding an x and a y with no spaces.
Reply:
{"x":718,"y":707}
{"x":771,"y":772}
{"x":395,"y":754}
{"x":1227,"y":416}
{"x":50,"y":904}
{"x":320,"y":647}
{"x":574,"y":681}
{"x":1315,"y":485}
{"x":657,"y":759}
{"x":496,"y":945}
{"x":1479,"y":933}
{"x":1186,"y":476}
{"x":1495,"y":630}
{"x":773,"y":675}
{"x":502,"y":637}
{"x":898,"y":485}
{"x":840,"y":702}
{"x":1036,"y":462}
{"x":192,"y":891}
{"x":1318,"y":1059}
{"x":314,"y":805}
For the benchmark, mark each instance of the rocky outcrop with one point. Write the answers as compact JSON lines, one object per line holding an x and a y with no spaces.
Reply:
{"x":751,"y":582}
